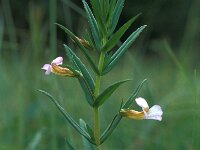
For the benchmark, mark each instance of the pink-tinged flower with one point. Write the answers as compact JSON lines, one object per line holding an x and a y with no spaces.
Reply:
{"x":155,"y":112}
{"x":55,"y":68}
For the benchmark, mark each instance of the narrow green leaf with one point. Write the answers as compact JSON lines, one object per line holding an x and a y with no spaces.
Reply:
{"x":68,"y":117}
{"x":90,"y":40}
{"x":82,"y":48}
{"x":99,"y":16}
{"x":96,"y":10}
{"x":111,"y":10}
{"x":93,"y":25}
{"x":124,"y":47}
{"x":69,"y":145}
{"x":117,"y":36}
{"x":81,"y":67}
{"x":86,"y":81}
{"x":133,"y":95}
{"x":87,"y":91}
{"x":87,"y":144}
{"x":116,"y":14}
{"x":105,"y":8}
{"x":116,"y":120}
{"x":107,"y":93}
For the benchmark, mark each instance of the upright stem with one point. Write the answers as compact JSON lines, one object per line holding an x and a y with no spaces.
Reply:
{"x":96,"y":110}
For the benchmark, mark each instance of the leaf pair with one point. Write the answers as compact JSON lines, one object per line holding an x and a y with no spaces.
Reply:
{"x":87,"y":82}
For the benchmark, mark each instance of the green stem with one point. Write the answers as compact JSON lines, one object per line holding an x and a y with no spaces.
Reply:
{"x":96,"y":110}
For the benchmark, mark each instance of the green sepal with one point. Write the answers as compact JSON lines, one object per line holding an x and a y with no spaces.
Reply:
{"x":107,"y":93}
{"x":86,"y":143}
{"x":93,"y":25}
{"x":117,"y":36}
{"x":116,"y":120}
{"x":86,"y":81}
{"x":82,"y":48}
{"x":115,"y":16}
{"x":123,"y":48}
{"x":68,"y":117}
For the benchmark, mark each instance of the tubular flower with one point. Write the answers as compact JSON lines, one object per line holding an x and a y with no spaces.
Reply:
{"x":155,"y":112}
{"x":56,"y":69}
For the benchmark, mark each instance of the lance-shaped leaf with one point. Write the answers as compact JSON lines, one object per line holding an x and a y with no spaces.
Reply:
{"x":68,"y":117}
{"x":116,"y":120}
{"x":79,"y":64}
{"x":111,"y":10}
{"x":107,"y":93}
{"x":86,"y":80}
{"x":82,"y":48}
{"x":116,"y":14}
{"x":93,"y":25}
{"x":117,"y":36}
{"x":133,"y":95}
{"x":69,"y":145}
{"x":99,"y":16}
{"x":87,"y":91}
{"x":123,"y":48}
{"x":87,"y":144}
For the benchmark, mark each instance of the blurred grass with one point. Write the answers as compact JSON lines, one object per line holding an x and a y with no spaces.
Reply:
{"x":28,"y":120}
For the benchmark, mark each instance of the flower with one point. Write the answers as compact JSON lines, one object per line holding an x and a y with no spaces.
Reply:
{"x":55,"y":68}
{"x":155,"y":112}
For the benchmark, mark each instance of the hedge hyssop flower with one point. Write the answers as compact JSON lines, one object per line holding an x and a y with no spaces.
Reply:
{"x":55,"y":68}
{"x":155,"y":112}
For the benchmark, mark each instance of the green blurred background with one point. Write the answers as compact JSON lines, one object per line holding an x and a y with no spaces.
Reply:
{"x":167,"y":53}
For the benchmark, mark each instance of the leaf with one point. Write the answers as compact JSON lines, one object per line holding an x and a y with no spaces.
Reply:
{"x":86,"y":81}
{"x":68,"y":117}
{"x":117,"y":36}
{"x":133,"y":95}
{"x":111,"y":10}
{"x":89,"y":39}
{"x":93,"y":25}
{"x":80,"y":66}
{"x":87,"y":144}
{"x":124,"y":47}
{"x":107,"y":93}
{"x":99,"y":16}
{"x":116,"y":14}
{"x":116,"y":120}
{"x":70,"y":146}
{"x":87,"y":91}
{"x":82,"y":48}
{"x":95,"y":6}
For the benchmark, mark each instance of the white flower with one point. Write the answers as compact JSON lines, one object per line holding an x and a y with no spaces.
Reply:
{"x":155,"y":112}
